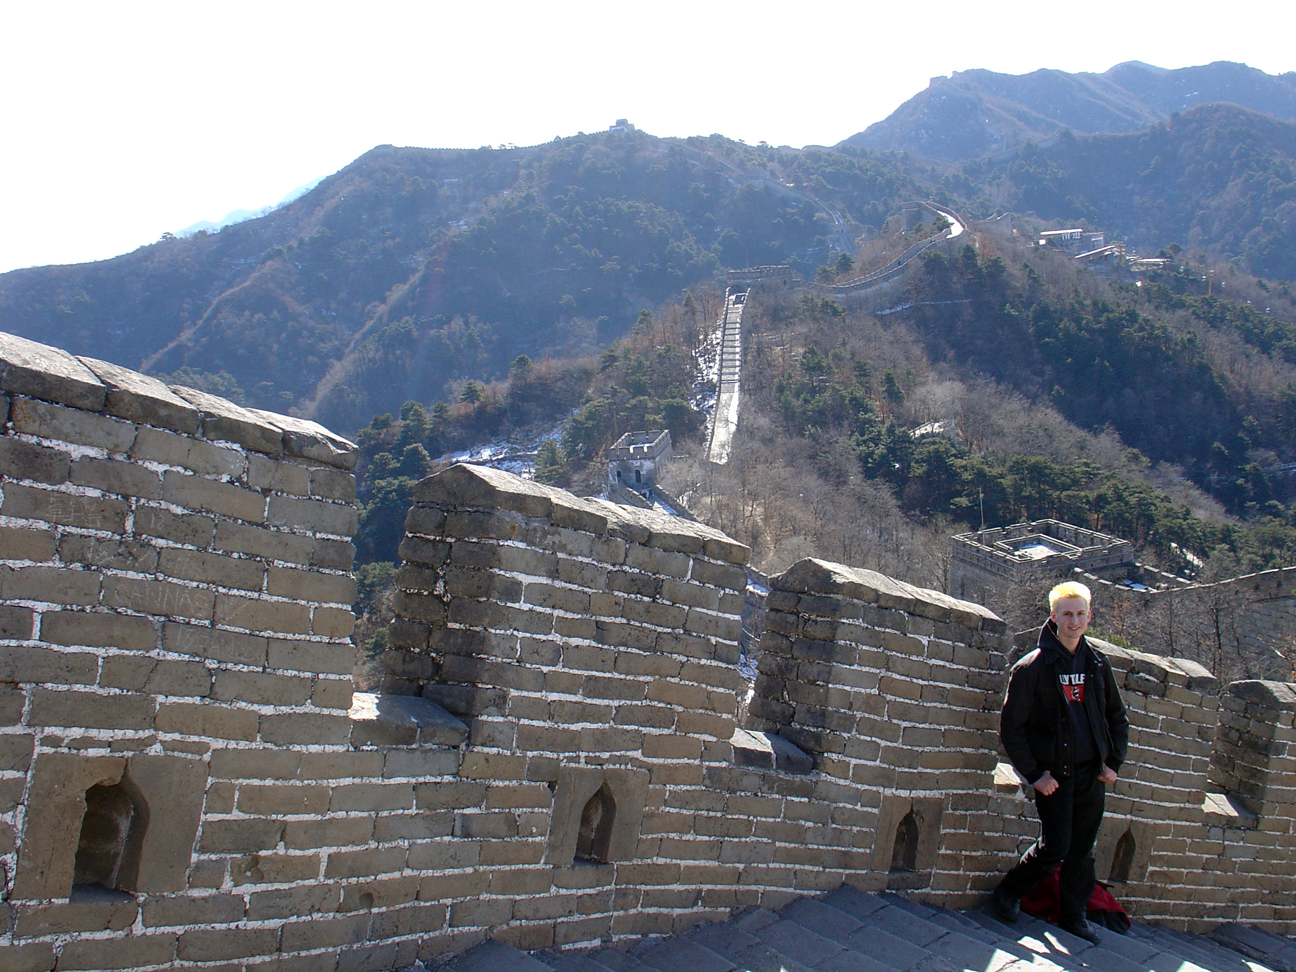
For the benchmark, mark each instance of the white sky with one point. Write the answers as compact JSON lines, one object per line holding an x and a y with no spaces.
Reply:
{"x":123,"y":120}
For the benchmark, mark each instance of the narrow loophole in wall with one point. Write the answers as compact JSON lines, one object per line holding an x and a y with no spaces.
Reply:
{"x":1122,"y":859}
{"x":904,"y":852}
{"x":104,"y":829}
{"x":595,"y":838}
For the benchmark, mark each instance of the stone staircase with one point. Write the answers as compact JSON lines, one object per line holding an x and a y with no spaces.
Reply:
{"x":850,"y":930}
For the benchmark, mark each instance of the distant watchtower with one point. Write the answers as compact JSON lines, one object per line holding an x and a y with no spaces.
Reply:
{"x":635,"y":458}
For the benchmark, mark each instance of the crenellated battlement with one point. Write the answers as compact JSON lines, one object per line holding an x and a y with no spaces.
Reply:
{"x":562,"y":749}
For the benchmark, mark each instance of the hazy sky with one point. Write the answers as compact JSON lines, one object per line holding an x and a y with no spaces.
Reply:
{"x":124,"y":120}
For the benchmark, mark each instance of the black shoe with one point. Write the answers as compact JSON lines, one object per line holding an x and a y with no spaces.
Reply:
{"x":1005,"y":906}
{"x":1081,"y":928}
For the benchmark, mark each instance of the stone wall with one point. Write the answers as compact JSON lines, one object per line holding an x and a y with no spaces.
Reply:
{"x":1241,"y":628}
{"x":188,"y":781}
{"x":175,"y":673}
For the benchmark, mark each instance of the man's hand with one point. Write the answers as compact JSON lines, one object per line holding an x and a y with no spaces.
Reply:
{"x":1108,"y":775}
{"x":1047,"y":785}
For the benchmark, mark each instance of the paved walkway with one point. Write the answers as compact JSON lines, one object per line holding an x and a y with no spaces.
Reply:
{"x":854,"y":931}
{"x":725,"y":421}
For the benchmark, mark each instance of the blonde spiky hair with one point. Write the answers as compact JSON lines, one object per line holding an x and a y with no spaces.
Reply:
{"x":1069,"y":589}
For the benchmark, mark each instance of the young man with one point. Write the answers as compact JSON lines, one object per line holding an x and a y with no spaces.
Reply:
{"x":1064,"y":727}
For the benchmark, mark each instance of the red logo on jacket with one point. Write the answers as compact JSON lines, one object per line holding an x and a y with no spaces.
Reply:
{"x":1073,"y":686}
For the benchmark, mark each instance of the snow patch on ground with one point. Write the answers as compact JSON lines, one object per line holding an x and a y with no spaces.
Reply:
{"x":706,"y":387}
{"x":516,"y":453}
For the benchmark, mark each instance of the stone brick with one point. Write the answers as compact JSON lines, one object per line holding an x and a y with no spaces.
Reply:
{"x":207,"y":909}
{"x":26,"y":460}
{"x":253,"y":614}
{"x":49,"y":584}
{"x":196,"y":455}
{"x":218,"y":646}
{"x":388,"y":893}
{"x":156,"y":676}
{"x":303,"y":439}
{"x":209,"y":568}
{"x":258,"y":688}
{"x":99,"y":630}
{"x":305,"y":728}
{"x":332,"y":693}
{"x":214,"y":944}
{"x":312,"y":656}
{"x":70,"y":425}
{"x":372,"y":797}
{"x":248,"y":835}
{"x":11,"y":793}
{"x":365,"y":863}
{"x":332,"y":622}
{"x":118,"y":952}
{"x":336,"y":519}
{"x":270,"y":868}
{"x":19,"y":543}
{"x":84,"y":710}
{"x":208,"y":720}
{"x":16,"y":623}
{"x":733,"y":578}
{"x":30,"y":368}
{"x":333,"y":484}
{"x":160,"y":598}
{"x":16,"y":752}
{"x":304,"y":585}
{"x":224,"y":421}
{"x":338,"y":832}
{"x":189,"y":529}
{"x":208,"y":495}
{"x":293,"y":902}
{"x":129,"y":555}
{"x":260,"y":542}
{"x":478,"y":913}
{"x":116,"y":476}
{"x":12,"y":703}
{"x":32,"y":957}
{"x":451,"y":796}
{"x":272,"y":800}
{"x":389,"y":827}
{"x":277,"y":475}
{"x":140,"y":399}
{"x":331,"y":933}
{"x":333,"y":554}
{"x":341,"y":765}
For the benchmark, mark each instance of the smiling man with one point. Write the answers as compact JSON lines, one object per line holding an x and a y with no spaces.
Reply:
{"x":1064,"y":727}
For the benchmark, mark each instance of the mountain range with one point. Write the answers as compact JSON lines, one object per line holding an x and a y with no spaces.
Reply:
{"x":976,"y":113}
{"x":412,"y":271}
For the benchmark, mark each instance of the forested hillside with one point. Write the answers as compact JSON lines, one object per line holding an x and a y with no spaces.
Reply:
{"x":412,"y":270}
{"x":1004,"y":383}
{"x":428,"y":301}
{"x":1216,"y":177}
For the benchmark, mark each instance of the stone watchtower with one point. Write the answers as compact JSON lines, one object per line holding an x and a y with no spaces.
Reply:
{"x":987,"y":562}
{"x":636,"y":457}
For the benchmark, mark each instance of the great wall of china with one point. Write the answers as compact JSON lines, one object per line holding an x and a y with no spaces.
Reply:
{"x":563,"y":751}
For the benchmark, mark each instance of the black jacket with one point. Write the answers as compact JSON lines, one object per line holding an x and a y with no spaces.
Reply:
{"x":1034,"y":726}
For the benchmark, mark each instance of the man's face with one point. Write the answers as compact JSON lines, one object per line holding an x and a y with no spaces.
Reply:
{"x":1071,"y":614}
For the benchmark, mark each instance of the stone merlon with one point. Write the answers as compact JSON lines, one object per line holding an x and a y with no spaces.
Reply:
{"x":48,"y":374}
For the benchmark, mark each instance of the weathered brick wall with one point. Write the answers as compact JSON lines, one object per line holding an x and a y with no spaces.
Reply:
{"x":554,"y":756}
{"x":174,"y":664}
{"x":1243,"y":627}
{"x":895,"y":690}
{"x":594,"y":648}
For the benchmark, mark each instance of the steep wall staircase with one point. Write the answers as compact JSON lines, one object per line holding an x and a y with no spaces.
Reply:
{"x":850,"y":930}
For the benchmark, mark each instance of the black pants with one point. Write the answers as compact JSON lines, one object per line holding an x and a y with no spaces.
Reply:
{"x":1069,"y":822}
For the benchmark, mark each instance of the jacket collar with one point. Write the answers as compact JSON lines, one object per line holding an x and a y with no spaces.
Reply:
{"x":1050,"y":645}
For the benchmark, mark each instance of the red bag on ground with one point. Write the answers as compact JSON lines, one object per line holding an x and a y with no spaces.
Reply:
{"x":1103,"y":909}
